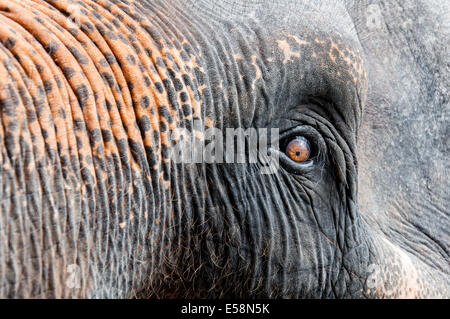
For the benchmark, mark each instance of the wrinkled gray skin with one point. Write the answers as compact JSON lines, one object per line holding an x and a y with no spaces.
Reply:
{"x":369,"y":219}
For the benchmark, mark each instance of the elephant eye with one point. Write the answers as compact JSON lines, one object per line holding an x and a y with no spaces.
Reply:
{"x":301,"y":150}
{"x":298,"y":149}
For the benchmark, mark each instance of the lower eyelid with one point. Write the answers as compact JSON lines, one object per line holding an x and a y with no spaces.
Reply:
{"x":295,"y":167}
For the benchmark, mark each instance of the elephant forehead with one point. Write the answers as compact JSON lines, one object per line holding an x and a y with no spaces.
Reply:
{"x":326,"y":51}
{"x":328,"y":65}
{"x":257,"y":72}
{"x":258,"y":60}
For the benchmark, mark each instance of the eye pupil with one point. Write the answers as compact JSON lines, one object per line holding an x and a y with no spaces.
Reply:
{"x":298,"y":149}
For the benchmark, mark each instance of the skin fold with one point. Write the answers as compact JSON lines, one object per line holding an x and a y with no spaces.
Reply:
{"x":92,"y":206}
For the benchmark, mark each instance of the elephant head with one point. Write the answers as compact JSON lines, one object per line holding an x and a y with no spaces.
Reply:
{"x":98,"y":95}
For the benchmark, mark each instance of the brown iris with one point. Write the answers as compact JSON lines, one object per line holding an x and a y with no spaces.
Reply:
{"x":298,"y":149}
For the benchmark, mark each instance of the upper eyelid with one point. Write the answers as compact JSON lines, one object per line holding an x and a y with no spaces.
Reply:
{"x":301,"y":130}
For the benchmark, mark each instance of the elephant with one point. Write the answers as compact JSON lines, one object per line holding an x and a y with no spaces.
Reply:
{"x":353,"y":95}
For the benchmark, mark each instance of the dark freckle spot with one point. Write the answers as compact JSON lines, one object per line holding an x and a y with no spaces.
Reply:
{"x":111,"y":35}
{"x":187,"y":109}
{"x":95,"y":135}
{"x":79,"y":124}
{"x":73,"y":32}
{"x":160,"y":62}
{"x":178,"y":85}
{"x":184,"y":56}
{"x":144,"y":123}
{"x":110,"y":58}
{"x":145,"y":102}
{"x":152,"y":68}
{"x":118,"y":15}
{"x":80,"y":58}
{"x":132,"y":38}
{"x":162,"y":127}
{"x":165,"y":175}
{"x":108,"y":105}
{"x":164,"y":112}
{"x":156,"y":136}
{"x":159,"y":87}
{"x":62,"y":113}
{"x":58,"y":82}
{"x":164,"y":151}
{"x":147,"y":81}
{"x":108,"y":79}
{"x":107,"y":136}
{"x":131,"y":27}
{"x":123,"y":39}
{"x":122,"y":145}
{"x":24,"y":95}
{"x":82,"y":94}
{"x":150,"y":156}
{"x":41,"y":90}
{"x":116,"y":22}
{"x":9,"y":104}
{"x":130,"y":85}
{"x":183,"y":97}
{"x":79,"y":142}
{"x":187,"y":80}
{"x":103,"y":62}
{"x":10,"y":143}
{"x":131,"y":59}
{"x":7,"y":64}
{"x":52,"y":47}
{"x":44,"y":133}
{"x":198,"y":72}
{"x":86,"y":175}
{"x":39,"y":68}
{"x":12,"y":126}
{"x":31,"y":115}
{"x":64,"y":160}
{"x":97,"y":15}
{"x":48,"y":86}
{"x":172,"y":74}
{"x":136,"y":47}
{"x":87,"y":27}
{"x":167,"y":84}
{"x":108,"y":25}
{"x":60,"y":28}
{"x":68,"y":72}
{"x":148,"y":52}
{"x":135,"y":148}
{"x":39,"y":105}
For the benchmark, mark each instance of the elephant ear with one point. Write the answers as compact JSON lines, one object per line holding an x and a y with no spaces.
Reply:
{"x":403,"y":143}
